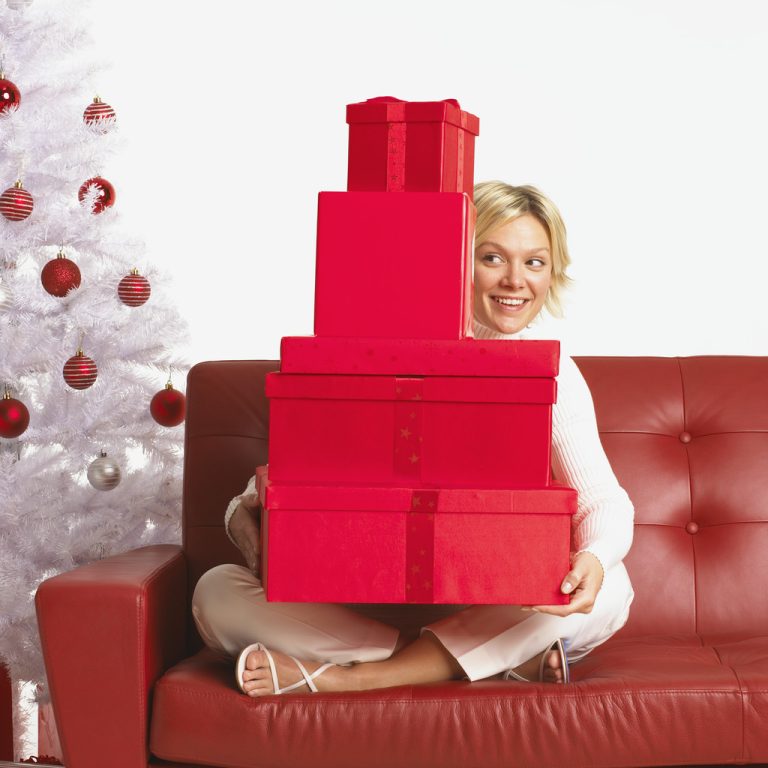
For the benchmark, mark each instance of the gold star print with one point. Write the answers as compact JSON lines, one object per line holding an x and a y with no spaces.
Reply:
{"x":406,"y":433}
{"x":416,"y":397}
{"x":415,"y":568}
{"x":427,"y":584}
{"x":416,"y":501}
{"x":431,"y":504}
{"x":414,"y":458}
{"x":412,"y":415}
{"x":422,"y":552}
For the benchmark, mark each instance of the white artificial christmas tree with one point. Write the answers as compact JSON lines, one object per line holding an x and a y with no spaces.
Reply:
{"x":51,"y":517}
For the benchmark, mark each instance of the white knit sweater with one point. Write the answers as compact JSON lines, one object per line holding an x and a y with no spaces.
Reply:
{"x":603,"y":523}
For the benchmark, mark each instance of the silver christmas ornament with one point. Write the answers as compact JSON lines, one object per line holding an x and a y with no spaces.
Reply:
{"x":104,"y":473}
{"x":17,"y":5}
{"x":6,"y":298}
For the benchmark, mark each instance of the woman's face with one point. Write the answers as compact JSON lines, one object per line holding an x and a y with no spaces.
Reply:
{"x":513,"y":272}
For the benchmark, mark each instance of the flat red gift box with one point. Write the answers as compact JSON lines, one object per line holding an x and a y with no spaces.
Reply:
{"x":394,"y":266}
{"x":417,"y":146}
{"x":404,"y":545}
{"x":437,"y":431}
{"x":429,"y":357}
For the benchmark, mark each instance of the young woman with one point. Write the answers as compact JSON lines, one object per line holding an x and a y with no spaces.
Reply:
{"x":521,"y":258}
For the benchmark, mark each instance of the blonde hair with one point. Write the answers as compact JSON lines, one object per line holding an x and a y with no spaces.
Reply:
{"x":498,"y":203}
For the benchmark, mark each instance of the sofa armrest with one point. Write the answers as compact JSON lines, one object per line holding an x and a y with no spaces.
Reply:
{"x":109,"y":629}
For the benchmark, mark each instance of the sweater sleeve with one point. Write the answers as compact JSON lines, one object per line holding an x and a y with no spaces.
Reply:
{"x":250,"y":488}
{"x":603,"y":523}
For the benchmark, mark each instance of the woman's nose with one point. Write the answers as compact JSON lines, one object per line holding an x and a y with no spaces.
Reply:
{"x":514,"y":277}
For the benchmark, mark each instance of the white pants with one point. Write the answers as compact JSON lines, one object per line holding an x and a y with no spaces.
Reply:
{"x":231,"y":611}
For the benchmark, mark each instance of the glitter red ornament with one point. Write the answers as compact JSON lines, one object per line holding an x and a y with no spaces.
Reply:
{"x":10,"y":95}
{"x":14,"y":416}
{"x":99,"y":115}
{"x":60,"y":276}
{"x":134,"y":289}
{"x":16,"y":203}
{"x":106,"y":193}
{"x":80,"y":371}
{"x":168,"y":406}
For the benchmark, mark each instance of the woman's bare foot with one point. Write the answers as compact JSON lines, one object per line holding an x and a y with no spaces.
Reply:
{"x":258,"y":677}
{"x":553,"y":672}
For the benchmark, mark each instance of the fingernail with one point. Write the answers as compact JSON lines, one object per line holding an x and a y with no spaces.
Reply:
{"x":567,"y":587}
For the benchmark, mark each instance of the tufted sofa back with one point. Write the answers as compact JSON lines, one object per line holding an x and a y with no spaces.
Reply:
{"x":687,"y":438}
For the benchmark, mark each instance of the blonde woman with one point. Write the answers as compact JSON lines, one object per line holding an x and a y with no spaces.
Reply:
{"x":521,"y":261}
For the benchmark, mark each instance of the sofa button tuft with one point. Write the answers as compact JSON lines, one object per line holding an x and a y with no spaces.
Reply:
{"x":685,"y":437}
{"x":692,"y":527}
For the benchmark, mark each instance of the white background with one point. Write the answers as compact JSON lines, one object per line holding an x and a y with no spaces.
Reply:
{"x":645,"y":121}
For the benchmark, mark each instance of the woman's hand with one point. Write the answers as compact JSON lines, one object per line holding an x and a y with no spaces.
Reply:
{"x":244,"y":527}
{"x":582,"y":582}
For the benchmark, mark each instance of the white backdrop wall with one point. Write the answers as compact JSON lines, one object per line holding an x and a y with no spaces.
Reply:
{"x":646,"y":122}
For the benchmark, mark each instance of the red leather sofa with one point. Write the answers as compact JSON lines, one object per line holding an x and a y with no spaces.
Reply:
{"x":684,"y":682}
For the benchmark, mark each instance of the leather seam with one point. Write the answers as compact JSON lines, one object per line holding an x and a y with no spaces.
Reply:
{"x":175,"y":688}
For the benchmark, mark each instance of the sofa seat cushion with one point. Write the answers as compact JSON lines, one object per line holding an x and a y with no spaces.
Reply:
{"x":656,"y":700}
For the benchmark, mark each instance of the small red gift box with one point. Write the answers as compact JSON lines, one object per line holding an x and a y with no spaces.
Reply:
{"x":439,"y":431}
{"x":429,"y":357}
{"x":403,"y":545}
{"x":417,"y":146}
{"x":394,"y":266}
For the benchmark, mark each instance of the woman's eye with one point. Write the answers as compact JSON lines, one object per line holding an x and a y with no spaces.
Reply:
{"x":537,"y":262}
{"x":492,"y":258}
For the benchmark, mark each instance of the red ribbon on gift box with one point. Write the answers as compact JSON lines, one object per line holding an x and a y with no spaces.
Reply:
{"x":420,"y":547}
{"x":396,"y":118}
{"x":409,"y":394}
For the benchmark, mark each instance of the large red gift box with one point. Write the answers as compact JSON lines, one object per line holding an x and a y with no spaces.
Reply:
{"x":392,"y":266}
{"x":402,"y":545}
{"x":440,"y":431}
{"x":419,"y":146}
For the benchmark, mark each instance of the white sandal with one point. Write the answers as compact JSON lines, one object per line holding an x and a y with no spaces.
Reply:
{"x":308,"y":679}
{"x":556,"y":646}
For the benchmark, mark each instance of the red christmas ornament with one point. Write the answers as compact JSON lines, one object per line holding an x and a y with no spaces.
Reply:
{"x":168,"y":406}
{"x":16,"y":203}
{"x":106,"y":197}
{"x":60,"y":276}
{"x":10,"y":95}
{"x":80,"y":371}
{"x":98,"y":113}
{"x":14,"y":416}
{"x":134,"y":289}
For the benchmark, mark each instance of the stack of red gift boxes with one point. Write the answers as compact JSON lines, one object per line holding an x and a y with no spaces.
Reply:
{"x":409,"y":462}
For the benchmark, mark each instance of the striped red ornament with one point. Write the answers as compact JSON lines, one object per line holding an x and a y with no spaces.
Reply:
{"x":16,"y":203}
{"x":98,"y":113}
{"x":134,"y":289}
{"x":80,"y":371}
{"x":106,"y":196}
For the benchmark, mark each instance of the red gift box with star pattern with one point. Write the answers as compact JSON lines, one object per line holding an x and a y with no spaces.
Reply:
{"x":424,"y":431}
{"x":362,"y":544}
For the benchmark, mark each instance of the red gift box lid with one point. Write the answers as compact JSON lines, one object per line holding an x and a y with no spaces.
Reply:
{"x":485,"y":389}
{"x":420,"y":357}
{"x":388,"y":109}
{"x":554,"y":500}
